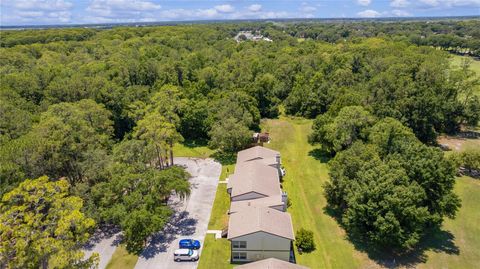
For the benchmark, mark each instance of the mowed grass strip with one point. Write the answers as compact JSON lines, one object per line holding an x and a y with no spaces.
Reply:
{"x":465,"y":229}
{"x":456,"y":61}
{"x":121,"y":259}
{"x":306,"y":173}
{"x":215,"y":254}
{"x":307,"y":170}
{"x":221,"y":204}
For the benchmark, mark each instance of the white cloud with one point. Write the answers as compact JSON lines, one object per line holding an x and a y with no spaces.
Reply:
{"x":255,"y":7}
{"x":457,"y":3}
{"x":44,"y":5}
{"x":364,"y":2}
{"x":225,"y":8}
{"x":306,"y":8}
{"x":399,"y":3}
{"x":369,"y":13}
{"x":450,"y":3}
{"x":432,"y":3}
{"x":400,"y":13}
{"x":36,"y":11}
{"x":101,"y":11}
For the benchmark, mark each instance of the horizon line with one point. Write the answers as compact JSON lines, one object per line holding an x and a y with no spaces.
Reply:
{"x":208,"y":21}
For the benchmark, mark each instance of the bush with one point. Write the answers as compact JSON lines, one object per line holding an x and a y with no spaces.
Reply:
{"x":304,"y":240}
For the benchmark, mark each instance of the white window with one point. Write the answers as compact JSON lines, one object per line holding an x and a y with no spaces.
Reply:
{"x":239,"y":255}
{"x":239,"y":244}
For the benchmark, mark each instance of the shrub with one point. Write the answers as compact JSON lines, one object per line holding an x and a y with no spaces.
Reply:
{"x":304,"y":240}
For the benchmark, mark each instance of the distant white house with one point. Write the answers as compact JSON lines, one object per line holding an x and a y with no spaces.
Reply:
{"x":249,"y":35}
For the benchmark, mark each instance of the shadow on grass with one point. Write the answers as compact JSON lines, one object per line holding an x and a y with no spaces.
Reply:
{"x":190,"y":143}
{"x":320,"y":155}
{"x":225,"y":158}
{"x":435,"y":239}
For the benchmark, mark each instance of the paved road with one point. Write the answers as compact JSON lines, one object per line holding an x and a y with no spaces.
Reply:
{"x":190,"y":220}
{"x":104,"y":243}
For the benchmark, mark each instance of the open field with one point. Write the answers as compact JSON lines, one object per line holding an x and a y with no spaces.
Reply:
{"x":458,"y":143}
{"x":475,"y":65}
{"x":455,"y":246}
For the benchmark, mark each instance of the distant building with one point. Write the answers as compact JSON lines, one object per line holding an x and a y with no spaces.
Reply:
{"x":248,"y":35}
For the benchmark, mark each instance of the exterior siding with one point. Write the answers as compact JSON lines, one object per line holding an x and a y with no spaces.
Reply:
{"x":262,"y":245}
{"x":253,"y":256}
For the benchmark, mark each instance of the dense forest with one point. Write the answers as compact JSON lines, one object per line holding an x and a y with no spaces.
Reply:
{"x":98,"y":112}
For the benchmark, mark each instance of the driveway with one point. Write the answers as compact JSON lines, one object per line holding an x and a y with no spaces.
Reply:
{"x":104,"y":242}
{"x":190,"y":219}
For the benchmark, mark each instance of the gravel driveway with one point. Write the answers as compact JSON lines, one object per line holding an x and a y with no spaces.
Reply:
{"x":190,"y":219}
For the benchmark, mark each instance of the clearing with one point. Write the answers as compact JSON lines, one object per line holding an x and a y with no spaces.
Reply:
{"x":456,"y":245}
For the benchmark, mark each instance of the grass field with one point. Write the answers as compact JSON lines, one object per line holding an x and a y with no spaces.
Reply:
{"x":456,"y":246}
{"x":456,"y":60}
{"x":121,"y":259}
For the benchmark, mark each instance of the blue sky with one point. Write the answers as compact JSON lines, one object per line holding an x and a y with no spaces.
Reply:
{"x":38,"y":12}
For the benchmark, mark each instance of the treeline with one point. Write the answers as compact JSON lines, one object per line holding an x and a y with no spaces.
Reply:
{"x":105,"y":111}
{"x":25,"y":37}
{"x":459,"y":36}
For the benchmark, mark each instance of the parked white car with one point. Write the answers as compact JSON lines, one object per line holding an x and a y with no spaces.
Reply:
{"x":185,"y":255}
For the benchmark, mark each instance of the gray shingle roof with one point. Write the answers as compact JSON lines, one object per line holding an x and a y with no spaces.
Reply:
{"x":254,"y":177}
{"x":257,"y":152}
{"x":270,"y":201}
{"x":260,"y":219}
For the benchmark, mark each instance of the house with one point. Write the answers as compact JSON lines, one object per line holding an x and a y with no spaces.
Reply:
{"x":253,"y":180}
{"x":260,"y":233}
{"x":267,"y":156}
{"x":278,"y":202}
{"x":270,"y":263}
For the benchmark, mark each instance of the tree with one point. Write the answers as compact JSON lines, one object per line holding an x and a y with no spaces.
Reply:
{"x":135,"y":199}
{"x":304,"y":240}
{"x":389,"y":135}
{"x":66,"y":131}
{"x":158,"y":131}
{"x":229,"y":135}
{"x":43,"y":226}
{"x":390,"y":197}
{"x":428,"y":167}
{"x":384,"y":207}
{"x":339,"y":133}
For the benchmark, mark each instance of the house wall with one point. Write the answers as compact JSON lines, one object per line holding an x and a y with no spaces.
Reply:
{"x":263,"y":245}
{"x":247,"y":196}
{"x":253,"y":256}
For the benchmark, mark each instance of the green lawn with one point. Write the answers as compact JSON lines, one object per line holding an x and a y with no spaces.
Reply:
{"x":475,"y":65}
{"x":307,"y":170}
{"x":219,"y":217}
{"x":215,"y":254}
{"x":121,"y":259}
{"x":192,"y":149}
{"x":465,"y":228}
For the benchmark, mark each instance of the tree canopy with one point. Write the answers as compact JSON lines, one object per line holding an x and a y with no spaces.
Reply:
{"x":42,"y":226}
